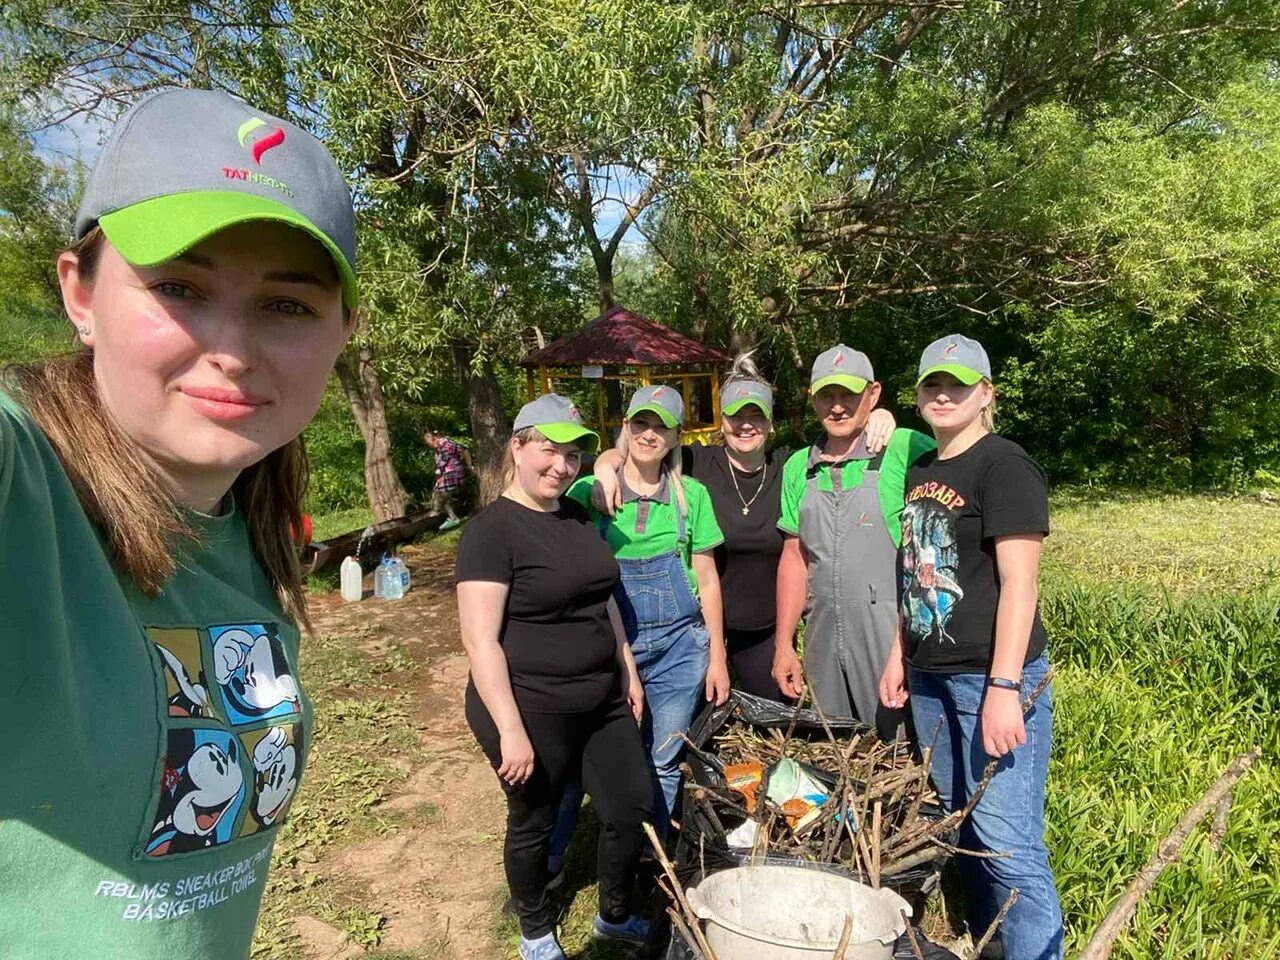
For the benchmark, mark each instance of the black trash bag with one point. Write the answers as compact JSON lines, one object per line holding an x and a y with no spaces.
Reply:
{"x":701,"y":845}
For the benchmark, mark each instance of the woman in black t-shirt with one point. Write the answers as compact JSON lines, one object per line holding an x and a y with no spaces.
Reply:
{"x":554,"y":692}
{"x":744,"y":479}
{"x":971,"y":645}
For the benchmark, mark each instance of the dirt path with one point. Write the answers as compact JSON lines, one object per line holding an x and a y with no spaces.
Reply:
{"x":436,"y":883}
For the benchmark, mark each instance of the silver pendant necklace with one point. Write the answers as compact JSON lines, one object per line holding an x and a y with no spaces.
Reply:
{"x":733,"y":475}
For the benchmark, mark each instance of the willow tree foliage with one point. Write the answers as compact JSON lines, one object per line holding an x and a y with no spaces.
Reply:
{"x":1083,"y":183}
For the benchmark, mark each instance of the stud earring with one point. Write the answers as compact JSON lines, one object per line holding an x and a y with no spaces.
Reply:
{"x":83,"y":331}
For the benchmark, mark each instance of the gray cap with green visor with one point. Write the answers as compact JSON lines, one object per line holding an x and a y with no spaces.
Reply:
{"x":557,"y":419}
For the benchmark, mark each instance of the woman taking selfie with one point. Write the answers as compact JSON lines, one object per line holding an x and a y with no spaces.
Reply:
{"x":554,"y":694}
{"x":149,"y":487}
{"x":972,"y":647}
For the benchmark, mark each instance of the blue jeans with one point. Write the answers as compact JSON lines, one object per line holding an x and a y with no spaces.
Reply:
{"x":1010,"y":816}
{"x":670,"y":644}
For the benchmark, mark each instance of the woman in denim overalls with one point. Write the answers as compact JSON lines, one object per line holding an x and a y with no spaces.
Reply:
{"x":663,"y":538}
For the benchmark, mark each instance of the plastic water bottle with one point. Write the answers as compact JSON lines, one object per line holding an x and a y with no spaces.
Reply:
{"x":397,"y":581}
{"x":351,"y":577}
{"x":380,"y":577}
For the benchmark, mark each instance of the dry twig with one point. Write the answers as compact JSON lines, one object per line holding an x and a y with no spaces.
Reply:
{"x":995,"y":924}
{"x":677,"y":893}
{"x":1104,"y":938}
{"x":843,"y":943}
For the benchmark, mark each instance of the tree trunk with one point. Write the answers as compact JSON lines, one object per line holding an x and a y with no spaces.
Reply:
{"x":488,"y":419}
{"x":603,"y":261}
{"x":387,"y":496}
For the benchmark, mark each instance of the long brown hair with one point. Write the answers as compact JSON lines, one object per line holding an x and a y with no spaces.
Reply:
{"x":123,"y":495}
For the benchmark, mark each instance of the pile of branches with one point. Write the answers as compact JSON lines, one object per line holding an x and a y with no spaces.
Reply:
{"x":881,"y":817}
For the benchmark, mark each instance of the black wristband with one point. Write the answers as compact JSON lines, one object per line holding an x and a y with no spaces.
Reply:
{"x":1003,"y":683}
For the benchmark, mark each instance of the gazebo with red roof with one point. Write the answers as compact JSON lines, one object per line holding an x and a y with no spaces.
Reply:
{"x":621,"y":349}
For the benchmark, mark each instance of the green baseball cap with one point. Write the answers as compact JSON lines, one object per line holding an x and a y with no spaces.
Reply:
{"x":843,"y":365}
{"x":963,"y":358}
{"x":557,"y":419}
{"x":662,"y":400}
{"x":184,"y":164}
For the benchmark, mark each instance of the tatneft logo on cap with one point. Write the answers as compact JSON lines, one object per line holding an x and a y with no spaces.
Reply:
{"x":273,"y":139}
{"x":949,"y":349}
{"x":258,"y":146}
{"x":839,"y":359}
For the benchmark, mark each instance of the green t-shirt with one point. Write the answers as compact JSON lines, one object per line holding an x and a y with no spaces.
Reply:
{"x":905,"y":447}
{"x":151,"y":746}
{"x":646,"y":526}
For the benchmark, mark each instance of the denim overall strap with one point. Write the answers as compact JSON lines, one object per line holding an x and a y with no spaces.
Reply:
{"x":654,"y":598}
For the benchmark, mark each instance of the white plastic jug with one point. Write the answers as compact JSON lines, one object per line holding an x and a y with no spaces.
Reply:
{"x":352,"y":578}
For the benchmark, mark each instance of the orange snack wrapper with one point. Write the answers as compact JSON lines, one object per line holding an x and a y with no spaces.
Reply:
{"x":745,"y":778}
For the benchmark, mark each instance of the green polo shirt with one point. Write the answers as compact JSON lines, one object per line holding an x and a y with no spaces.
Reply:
{"x":905,"y":447}
{"x":645,"y":526}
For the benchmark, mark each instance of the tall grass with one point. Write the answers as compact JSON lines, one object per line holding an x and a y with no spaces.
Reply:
{"x":1157,"y":692}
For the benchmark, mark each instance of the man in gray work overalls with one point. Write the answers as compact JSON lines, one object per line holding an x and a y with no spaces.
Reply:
{"x":840,"y":513}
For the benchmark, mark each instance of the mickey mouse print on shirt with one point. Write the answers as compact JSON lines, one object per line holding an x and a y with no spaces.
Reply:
{"x":233,"y":749}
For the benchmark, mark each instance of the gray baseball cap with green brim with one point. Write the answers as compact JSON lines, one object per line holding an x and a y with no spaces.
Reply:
{"x":842,"y":365}
{"x":557,"y":419}
{"x":744,"y":393}
{"x":962,"y":357}
{"x":182,"y":165}
{"x":660,"y":399}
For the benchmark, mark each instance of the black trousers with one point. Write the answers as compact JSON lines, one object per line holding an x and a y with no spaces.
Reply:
{"x":751,"y":657}
{"x":604,"y":748}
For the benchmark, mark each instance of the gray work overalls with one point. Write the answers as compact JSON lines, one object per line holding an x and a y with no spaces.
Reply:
{"x":852,"y":608}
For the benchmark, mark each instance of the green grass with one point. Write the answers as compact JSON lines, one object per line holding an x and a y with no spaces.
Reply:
{"x":1155,"y":696}
{"x":1185,"y":542}
{"x":331,"y":524}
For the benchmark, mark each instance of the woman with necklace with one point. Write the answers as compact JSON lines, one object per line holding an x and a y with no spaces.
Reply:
{"x":744,"y":479}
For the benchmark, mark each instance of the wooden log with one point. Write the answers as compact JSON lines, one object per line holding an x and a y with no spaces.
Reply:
{"x":326,"y":554}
